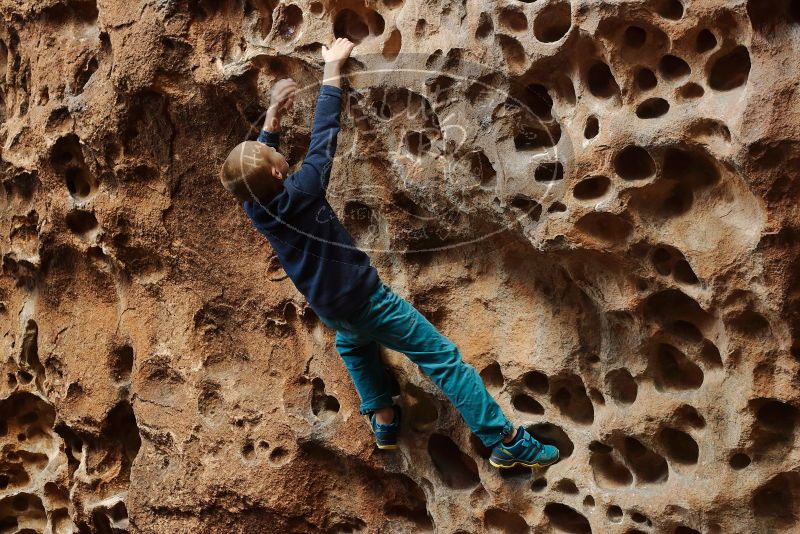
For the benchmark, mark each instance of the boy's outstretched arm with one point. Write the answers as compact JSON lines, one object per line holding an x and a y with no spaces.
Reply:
{"x":315,"y":172}
{"x":281,"y":100}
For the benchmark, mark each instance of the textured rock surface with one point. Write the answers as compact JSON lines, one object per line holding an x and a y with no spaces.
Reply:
{"x":602,"y":197}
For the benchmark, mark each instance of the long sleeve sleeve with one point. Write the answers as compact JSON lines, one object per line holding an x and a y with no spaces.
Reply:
{"x":269,"y":138}
{"x":313,"y":176}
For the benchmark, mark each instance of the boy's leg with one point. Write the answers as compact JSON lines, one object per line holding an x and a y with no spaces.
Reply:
{"x":374,"y":383}
{"x":396,"y":324}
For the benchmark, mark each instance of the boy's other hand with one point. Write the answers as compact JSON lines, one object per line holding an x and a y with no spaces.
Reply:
{"x":338,"y":52}
{"x":282,"y":96}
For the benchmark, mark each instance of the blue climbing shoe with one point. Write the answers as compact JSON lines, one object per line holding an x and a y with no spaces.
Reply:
{"x":386,"y":435}
{"x":525,"y":450}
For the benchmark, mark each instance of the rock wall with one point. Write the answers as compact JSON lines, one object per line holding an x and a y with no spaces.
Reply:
{"x":596,"y":200}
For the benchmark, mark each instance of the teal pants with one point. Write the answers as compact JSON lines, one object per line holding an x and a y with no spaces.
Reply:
{"x":388,"y":320}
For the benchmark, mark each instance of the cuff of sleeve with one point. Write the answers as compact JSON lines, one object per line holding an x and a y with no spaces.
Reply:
{"x":330,"y":91}
{"x":268,"y":138}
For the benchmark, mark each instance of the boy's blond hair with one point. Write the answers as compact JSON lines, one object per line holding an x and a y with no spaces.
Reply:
{"x":247,"y":173}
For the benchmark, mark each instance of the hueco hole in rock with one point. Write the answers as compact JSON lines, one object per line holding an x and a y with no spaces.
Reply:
{"x":595,"y":200}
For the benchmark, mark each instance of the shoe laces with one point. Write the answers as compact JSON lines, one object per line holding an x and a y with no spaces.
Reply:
{"x":529,"y":442}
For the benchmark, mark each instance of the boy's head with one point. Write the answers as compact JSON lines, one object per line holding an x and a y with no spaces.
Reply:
{"x":254,"y":171}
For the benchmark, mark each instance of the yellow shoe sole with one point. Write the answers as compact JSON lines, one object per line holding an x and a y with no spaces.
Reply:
{"x":515,"y":464}
{"x":386,"y":447}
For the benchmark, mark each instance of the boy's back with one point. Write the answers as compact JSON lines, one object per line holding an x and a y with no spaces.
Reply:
{"x":313,"y":246}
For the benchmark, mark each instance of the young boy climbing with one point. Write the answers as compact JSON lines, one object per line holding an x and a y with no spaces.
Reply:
{"x":342,"y":286}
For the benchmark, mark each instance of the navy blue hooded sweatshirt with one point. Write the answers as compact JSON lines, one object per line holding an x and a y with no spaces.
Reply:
{"x":315,"y":250}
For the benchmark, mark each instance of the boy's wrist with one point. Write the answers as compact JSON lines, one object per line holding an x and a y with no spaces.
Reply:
{"x":331,"y":74}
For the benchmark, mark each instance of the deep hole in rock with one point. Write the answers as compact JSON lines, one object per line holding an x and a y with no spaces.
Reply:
{"x":705,"y":41}
{"x":601,"y":82}
{"x":710,"y":355}
{"x":777,"y":416}
{"x":513,"y":19}
{"x":278,"y":455}
{"x":591,"y":188}
{"x":551,"y":434}
{"x":382,"y":110}
{"x":86,"y":73}
{"x":592,"y":127}
{"x":739,"y":461}
{"x":648,"y":466}
{"x":635,"y":36}
{"x":662,"y":261}
{"x":695,"y":169}
{"x":621,"y":385}
{"x":420,"y":409}
{"x":777,"y":498}
{"x":393,"y":45}
{"x":637,"y":517}
{"x":409,"y":502}
{"x":499,"y":521}
{"x":527,"y":404}
{"x":492,"y":376}
{"x":539,"y":485}
{"x":634,"y":163}
{"x":81,"y":222}
{"x":375,"y":22}
{"x":690,"y":91}
{"x":553,"y":22}
{"x":569,"y":396}
{"x":731,"y":70}
{"x":479,"y":448}
{"x":588,"y":501}
{"x":417,"y":143}
{"x":748,"y":323}
{"x":482,"y":169}
{"x":767,"y":16}
{"x":669,"y":9}
{"x":566,"y":519}
{"x":679,"y":446}
{"x":351,"y":25}
{"x":536,"y":381}
{"x":608,"y":472}
{"x":567,"y":486}
{"x":322,"y":404}
{"x":684,"y":274}
{"x":652,"y":108}
{"x":78,"y":182}
{"x":121,"y":426}
{"x":674,"y":370}
{"x":518,"y":473}
{"x":513,"y":52}
{"x":686,"y":330}
{"x":537,"y":138}
{"x":456,"y":469}
{"x":557,"y":207}
{"x":687,"y":415}
{"x":607,"y":227}
{"x":549,"y":172}
{"x":673,"y":68}
{"x":530,"y":207}
{"x":485,"y":26}
{"x":121,"y":363}
{"x":646,"y":79}
{"x":291,"y":19}
{"x":534,"y":98}
{"x":358,"y":218}
{"x":67,"y":159}
{"x":614,"y":513}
